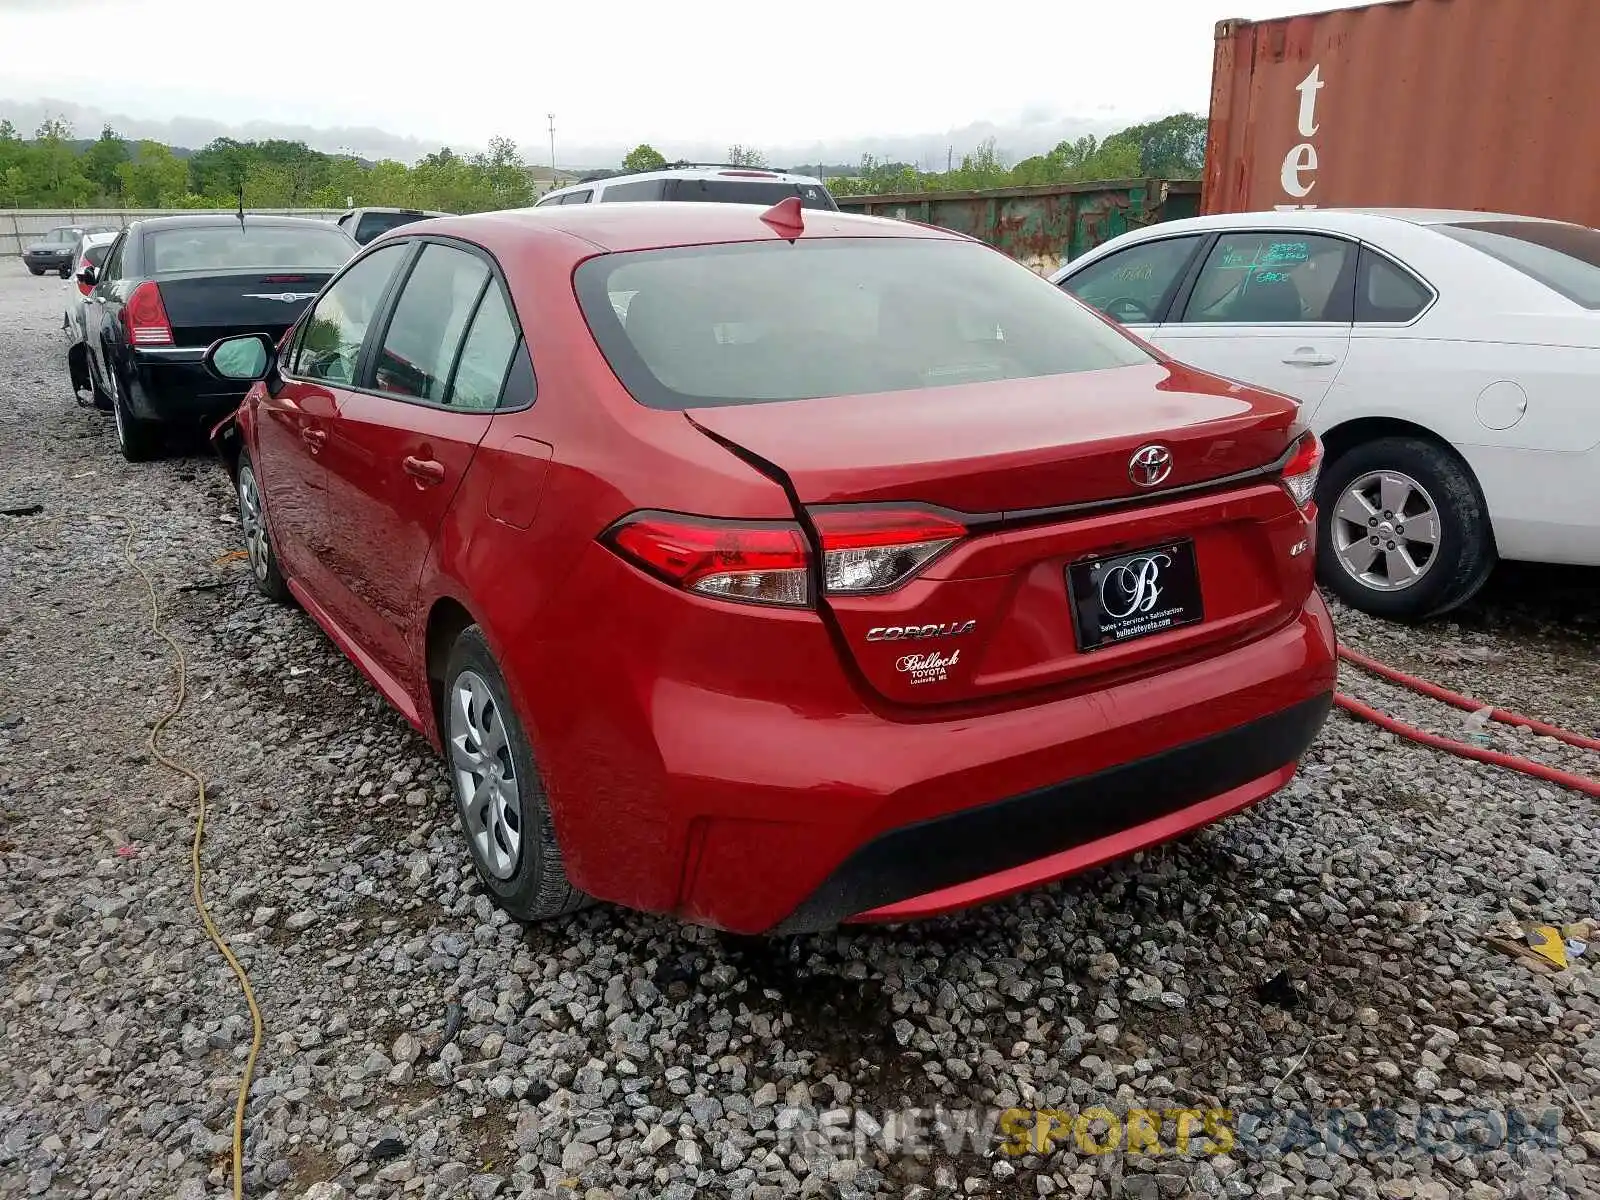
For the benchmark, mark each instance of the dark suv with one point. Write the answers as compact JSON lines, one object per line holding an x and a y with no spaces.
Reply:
{"x":53,"y":252}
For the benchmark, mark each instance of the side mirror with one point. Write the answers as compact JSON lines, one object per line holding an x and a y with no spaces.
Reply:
{"x":242,"y":359}
{"x":88,"y":277}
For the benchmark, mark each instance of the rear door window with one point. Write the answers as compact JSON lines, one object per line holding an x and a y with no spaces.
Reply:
{"x":578,"y":197}
{"x":1565,"y":258}
{"x":330,"y":339}
{"x":424,"y":334}
{"x":114,"y":259}
{"x":642,"y":189}
{"x":1275,"y":277}
{"x":748,"y":191}
{"x":1387,"y":293}
{"x":1135,"y":285}
{"x":480,"y":372}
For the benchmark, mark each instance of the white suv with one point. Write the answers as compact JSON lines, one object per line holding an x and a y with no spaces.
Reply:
{"x":697,"y":182}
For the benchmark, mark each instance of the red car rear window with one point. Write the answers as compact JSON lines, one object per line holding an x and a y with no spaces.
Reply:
{"x":756,"y":322}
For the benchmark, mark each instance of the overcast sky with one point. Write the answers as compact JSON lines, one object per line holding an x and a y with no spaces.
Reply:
{"x":777,"y":74}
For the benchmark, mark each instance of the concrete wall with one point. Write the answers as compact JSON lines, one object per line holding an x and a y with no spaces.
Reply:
{"x":19,"y":226}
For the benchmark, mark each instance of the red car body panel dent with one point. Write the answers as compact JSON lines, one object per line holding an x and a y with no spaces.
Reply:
{"x":725,"y":761}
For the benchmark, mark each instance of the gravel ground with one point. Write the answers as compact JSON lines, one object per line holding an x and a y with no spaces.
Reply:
{"x":419,"y":1044}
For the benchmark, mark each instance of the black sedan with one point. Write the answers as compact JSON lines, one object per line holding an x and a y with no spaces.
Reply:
{"x":170,"y":287}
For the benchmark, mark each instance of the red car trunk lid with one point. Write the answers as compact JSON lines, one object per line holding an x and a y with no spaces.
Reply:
{"x":993,"y":615}
{"x":1010,"y":446}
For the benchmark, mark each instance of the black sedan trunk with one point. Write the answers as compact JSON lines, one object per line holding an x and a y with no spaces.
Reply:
{"x":205,"y":307}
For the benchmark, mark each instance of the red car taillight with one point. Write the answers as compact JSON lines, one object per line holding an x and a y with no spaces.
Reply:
{"x":82,"y":267}
{"x":757,"y":562}
{"x":876,"y":550}
{"x":768,"y":562}
{"x":1300,"y":473}
{"x":145,"y":317}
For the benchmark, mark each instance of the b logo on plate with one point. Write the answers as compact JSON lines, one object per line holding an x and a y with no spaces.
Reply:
{"x":1133,"y":587}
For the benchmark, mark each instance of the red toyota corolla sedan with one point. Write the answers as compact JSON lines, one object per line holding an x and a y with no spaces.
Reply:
{"x":776,"y":568}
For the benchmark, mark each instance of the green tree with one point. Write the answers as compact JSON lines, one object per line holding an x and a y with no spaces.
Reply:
{"x":155,"y":178}
{"x":101,"y":160}
{"x":746,"y":156}
{"x":644,"y":157}
{"x":220,"y":167}
{"x":52,"y":171}
{"x":1172,"y":148}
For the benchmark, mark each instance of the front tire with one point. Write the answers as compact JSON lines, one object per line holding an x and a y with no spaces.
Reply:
{"x":499,"y":793}
{"x":1403,"y":530}
{"x":37,"y":270}
{"x":258,"y":535}
{"x":66,"y":272}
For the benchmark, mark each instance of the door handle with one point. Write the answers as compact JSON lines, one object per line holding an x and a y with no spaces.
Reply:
{"x":425,"y":471}
{"x":313,"y":437}
{"x":1307,"y":356}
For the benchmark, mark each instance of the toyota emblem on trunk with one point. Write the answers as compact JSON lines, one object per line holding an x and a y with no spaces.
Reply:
{"x":1150,"y":465}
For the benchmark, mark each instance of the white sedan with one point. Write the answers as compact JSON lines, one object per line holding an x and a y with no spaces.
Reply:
{"x":1450,"y":362}
{"x":90,"y":251}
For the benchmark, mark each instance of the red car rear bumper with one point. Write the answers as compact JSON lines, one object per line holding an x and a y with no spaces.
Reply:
{"x":754,"y":815}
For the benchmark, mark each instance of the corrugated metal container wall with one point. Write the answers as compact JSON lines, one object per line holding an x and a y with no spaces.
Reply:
{"x":1479,"y":104}
{"x":1041,"y":227}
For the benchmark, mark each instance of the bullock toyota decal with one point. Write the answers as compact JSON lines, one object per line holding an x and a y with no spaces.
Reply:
{"x":928,"y":668}
{"x":1298,"y":175}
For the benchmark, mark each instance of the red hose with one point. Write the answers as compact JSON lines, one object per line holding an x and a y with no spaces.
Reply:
{"x":1466,"y":702}
{"x":1581,"y":783}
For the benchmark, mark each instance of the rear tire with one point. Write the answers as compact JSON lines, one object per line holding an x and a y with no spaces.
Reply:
{"x":139,"y":441}
{"x":1366,"y":556}
{"x":499,"y":792}
{"x":258,"y":546}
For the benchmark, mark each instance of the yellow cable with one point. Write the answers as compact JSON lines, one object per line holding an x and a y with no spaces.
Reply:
{"x":153,"y":742}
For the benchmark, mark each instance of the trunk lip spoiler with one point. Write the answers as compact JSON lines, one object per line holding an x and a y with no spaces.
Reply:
{"x":1031,"y":516}
{"x":1022,"y":517}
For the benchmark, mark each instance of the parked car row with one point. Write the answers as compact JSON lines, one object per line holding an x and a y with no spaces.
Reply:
{"x":59,"y":249}
{"x":167,"y":288}
{"x":767,"y":488}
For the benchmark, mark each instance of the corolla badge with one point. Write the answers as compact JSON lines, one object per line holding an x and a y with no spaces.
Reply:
{"x":285,"y":297}
{"x":900,"y":633}
{"x":1150,"y":465}
{"x":1133,"y":586}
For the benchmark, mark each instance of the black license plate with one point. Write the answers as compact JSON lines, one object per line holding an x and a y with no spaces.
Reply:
{"x":1130,"y":596}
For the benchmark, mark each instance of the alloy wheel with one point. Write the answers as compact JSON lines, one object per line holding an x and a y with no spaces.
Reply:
{"x":1385,"y":530}
{"x":254,"y":519}
{"x":485,"y":778}
{"x":117,"y":415}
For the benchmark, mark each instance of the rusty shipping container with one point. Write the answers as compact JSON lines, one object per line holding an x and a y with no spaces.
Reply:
{"x":1042,"y":227}
{"x":1475,"y":104}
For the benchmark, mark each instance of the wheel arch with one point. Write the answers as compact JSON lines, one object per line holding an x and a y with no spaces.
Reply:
{"x":1338,"y":440}
{"x":447,"y":619}
{"x":78,"y":366}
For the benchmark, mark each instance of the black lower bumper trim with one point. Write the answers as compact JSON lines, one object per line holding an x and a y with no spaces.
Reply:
{"x":969,"y":844}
